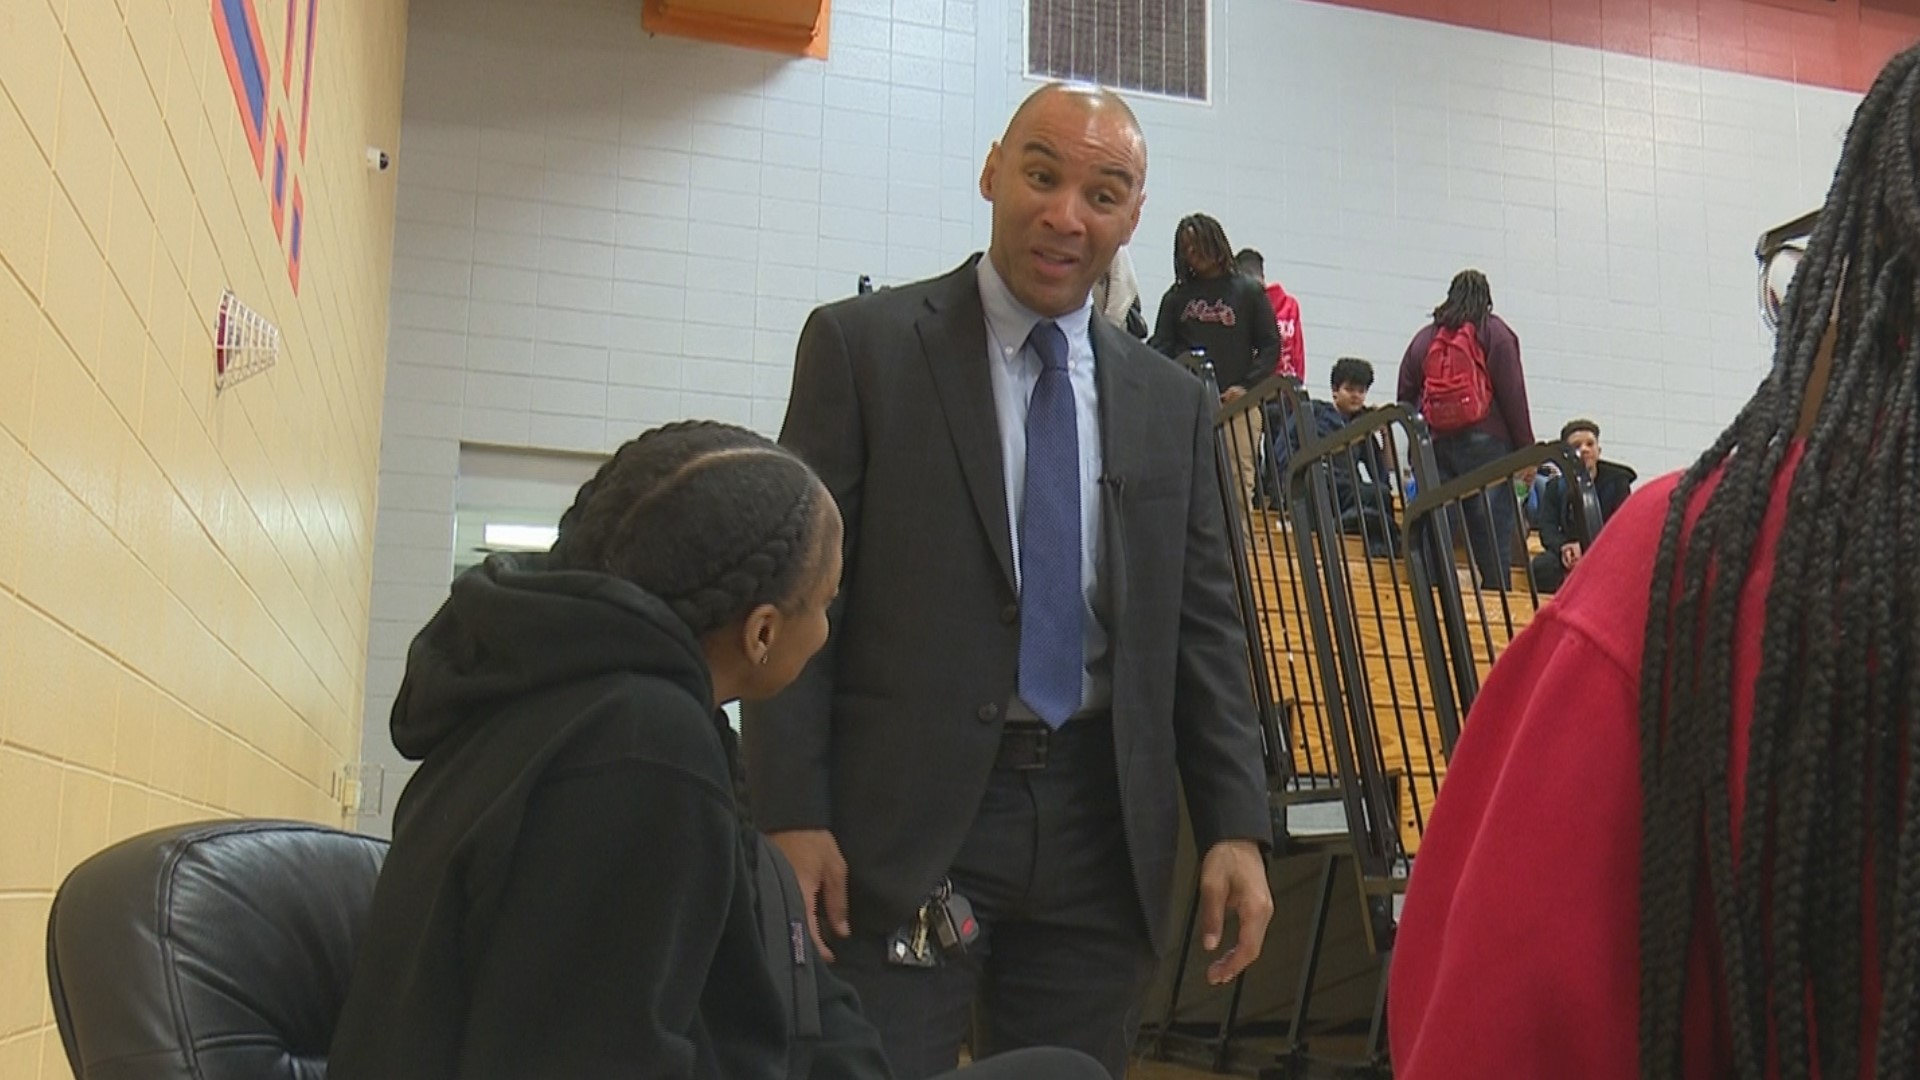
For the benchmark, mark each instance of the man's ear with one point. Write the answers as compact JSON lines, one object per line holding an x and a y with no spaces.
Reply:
{"x":987,"y":171}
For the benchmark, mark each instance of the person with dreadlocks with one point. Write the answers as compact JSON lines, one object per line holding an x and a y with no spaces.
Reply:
{"x":573,"y":889}
{"x":1212,"y":308}
{"x":1711,"y":866}
{"x":1494,"y":422}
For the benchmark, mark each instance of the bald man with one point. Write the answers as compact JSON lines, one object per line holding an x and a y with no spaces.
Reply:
{"x":1035,"y":644}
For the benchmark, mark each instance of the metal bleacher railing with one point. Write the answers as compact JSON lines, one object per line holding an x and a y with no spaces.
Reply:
{"x":1374,"y":599}
{"x":1298,"y":736}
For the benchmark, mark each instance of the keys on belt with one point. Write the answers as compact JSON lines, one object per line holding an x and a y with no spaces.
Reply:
{"x":1023,"y":745}
{"x":941,"y":930}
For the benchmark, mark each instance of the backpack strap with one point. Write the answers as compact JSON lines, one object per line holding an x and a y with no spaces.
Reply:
{"x":788,"y":949}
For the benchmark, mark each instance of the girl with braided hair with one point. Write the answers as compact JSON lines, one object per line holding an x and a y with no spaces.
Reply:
{"x":1681,"y":833}
{"x":572,"y":889}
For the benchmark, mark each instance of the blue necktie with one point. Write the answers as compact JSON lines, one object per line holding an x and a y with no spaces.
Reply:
{"x":1052,"y":639}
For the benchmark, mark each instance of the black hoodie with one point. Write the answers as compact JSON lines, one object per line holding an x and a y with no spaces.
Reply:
{"x":568,"y":893}
{"x":1230,"y":317}
{"x":1561,"y":524}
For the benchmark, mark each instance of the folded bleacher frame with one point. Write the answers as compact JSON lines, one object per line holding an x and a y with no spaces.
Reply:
{"x":1374,"y":599}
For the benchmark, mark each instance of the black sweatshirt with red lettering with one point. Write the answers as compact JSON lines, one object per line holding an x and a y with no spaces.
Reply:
{"x":1230,"y":317}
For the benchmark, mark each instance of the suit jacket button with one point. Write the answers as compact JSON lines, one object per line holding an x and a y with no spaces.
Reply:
{"x":1010,"y":614}
{"x":988,"y":713}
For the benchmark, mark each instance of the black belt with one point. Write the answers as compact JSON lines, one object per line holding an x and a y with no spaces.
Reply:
{"x":1023,"y":745}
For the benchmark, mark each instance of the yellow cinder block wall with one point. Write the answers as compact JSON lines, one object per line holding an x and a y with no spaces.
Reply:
{"x":184,"y":576}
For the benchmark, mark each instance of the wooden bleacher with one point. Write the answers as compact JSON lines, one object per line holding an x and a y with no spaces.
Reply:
{"x":1380,"y":602}
{"x":1355,"y":721}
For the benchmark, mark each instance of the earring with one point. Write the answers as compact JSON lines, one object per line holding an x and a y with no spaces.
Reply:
{"x":764,"y":656}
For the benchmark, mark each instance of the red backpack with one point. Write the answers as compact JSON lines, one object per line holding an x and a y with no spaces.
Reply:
{"x":1455,"y":392}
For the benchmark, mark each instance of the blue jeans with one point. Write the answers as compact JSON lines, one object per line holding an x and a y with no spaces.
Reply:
{"x":1490,"y":522}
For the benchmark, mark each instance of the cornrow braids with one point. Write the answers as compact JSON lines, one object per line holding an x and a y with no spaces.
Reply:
{"x":1469,"y":300}
{"x":1210,"y":248}
{"x":1836,"y":701}
{"x":714,"y":520}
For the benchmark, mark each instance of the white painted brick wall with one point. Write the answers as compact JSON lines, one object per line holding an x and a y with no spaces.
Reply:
{"x":1613,"y":201}
{"x":599,"y":231}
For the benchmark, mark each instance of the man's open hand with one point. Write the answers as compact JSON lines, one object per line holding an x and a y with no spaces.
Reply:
{"x":1234,"y":875}
{"x":822,"y":872}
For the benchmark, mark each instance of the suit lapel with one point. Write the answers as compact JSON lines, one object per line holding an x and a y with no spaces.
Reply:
{"x":953,"y":336}
{"x":1125,"y":409}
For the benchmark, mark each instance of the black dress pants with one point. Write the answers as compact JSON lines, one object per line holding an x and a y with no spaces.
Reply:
{"x":1063,"y":957}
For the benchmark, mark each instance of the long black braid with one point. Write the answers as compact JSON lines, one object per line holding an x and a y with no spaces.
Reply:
{"x":1213,"y":256}
{"x":714,"y":520}
{"x":1469,"y":300}
{"x":1836,"y":709}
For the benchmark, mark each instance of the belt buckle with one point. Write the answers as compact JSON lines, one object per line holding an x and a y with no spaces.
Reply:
{"x":1035,"y":740}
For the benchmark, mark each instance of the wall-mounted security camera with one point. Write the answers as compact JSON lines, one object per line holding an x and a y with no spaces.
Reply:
{"x":377,"y":159}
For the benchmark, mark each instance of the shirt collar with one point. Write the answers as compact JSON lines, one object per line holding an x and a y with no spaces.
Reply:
{"x":1011,"y":321}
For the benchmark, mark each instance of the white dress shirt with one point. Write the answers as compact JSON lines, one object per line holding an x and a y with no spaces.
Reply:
{"x":1015,"y":370}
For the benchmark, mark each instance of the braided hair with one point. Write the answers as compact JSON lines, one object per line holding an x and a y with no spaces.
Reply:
{"x":1210,"y":247}
{"x":1836,"y":702}
{"x":713,"y":520}
{"x":1469,"y":300}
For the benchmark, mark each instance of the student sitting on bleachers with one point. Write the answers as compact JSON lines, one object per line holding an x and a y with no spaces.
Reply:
{"x":1563,"y":538}
{"x":1362,"y":490}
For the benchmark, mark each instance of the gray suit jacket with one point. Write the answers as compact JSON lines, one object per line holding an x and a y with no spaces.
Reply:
{"x":889,"y":736}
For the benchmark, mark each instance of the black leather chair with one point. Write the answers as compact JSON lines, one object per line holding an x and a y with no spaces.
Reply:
{"x":214,"y":951}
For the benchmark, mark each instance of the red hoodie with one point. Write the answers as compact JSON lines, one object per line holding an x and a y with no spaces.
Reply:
{"x":1518,"y":952}
{"x":1293,"y":342}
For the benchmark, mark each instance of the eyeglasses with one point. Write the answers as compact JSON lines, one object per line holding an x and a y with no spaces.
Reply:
{"x":1779,"y":253}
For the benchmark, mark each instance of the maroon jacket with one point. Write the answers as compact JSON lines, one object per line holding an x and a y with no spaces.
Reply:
{"x":1508,"y":419}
